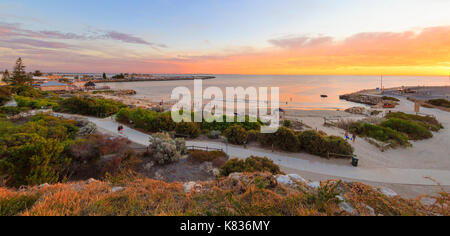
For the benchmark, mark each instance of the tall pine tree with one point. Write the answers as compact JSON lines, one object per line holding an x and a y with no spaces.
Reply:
{"x":19,"y":76}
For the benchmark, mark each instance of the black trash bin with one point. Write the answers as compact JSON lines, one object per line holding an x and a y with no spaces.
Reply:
{"x":355,"y":161}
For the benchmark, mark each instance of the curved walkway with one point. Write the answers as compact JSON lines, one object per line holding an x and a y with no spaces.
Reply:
{"x":382,"y":175}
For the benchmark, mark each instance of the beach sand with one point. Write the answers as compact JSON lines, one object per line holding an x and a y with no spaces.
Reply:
{"x":432,"y":153}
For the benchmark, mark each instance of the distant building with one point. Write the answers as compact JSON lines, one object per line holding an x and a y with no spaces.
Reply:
{"x":54,"y":86}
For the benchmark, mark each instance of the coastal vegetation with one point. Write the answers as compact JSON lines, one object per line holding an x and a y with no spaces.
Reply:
{"x":46,"y":149}
{"x":396,"y":128}
{"x":310,"y":141}
{"x":439,"y":102}
{"x":152,"y":121}
{"x":236,"y":134}
{"x":387,"y":98}
{"x":166,"y":150}
{"x":217,"y":158}
{"x":89,"y":106}
{"x":240,"y":195}
{"x":35,"y":103}
{"x":5,"y":95}
{"x":380,"y":133}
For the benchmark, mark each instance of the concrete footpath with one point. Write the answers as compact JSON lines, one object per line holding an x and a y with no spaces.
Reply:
{"x":381,"y":175}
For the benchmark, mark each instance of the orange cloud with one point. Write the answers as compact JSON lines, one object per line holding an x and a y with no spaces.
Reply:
{"x":406,"y":53}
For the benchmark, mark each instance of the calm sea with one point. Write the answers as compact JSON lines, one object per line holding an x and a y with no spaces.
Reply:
{"x":296,"y":92}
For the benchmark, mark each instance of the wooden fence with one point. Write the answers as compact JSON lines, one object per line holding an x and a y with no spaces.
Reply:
{"x":208,"y":149}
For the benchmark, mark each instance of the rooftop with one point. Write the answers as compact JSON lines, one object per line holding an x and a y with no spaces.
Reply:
{"x":53,"y":83}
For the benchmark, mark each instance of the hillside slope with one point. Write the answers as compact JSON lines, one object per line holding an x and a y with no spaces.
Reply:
{"x":256,"y":194}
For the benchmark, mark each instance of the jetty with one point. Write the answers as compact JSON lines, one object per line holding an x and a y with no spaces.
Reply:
{"x":155,"y":78}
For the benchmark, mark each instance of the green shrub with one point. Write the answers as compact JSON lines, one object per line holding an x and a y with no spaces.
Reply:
{"x":251,"y":164}
{"x":313,"y":142}
{"x":90,"y":106}
{"x":339,"y":146}
{"x":34,"y":103}
{"x":287,"y":123}
{"x":286,"y":139}
{"x":252,"y":136}
{"x":11,"y":111}
{"x":439,"y":102}
{"x":428,"y":122}
{"x":390,"y":99}
{"x":166,"y":150}
{"x":33,"y":153}
{"x":29,"y":159}
{"x":5,"y":95}
{"x":236,"y":134}
{"x":218,"y":158}
{"x":380,"y":133}
{"x":189,"y":129}
{"x":150,"y":121}
{"x":16,"y":203}
{"x":413,"y":129}
{"x":28,"y":91}
{"x":222,"y":126}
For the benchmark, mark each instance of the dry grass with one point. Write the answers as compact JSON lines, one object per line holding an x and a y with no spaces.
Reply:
{"x":256,"y":194}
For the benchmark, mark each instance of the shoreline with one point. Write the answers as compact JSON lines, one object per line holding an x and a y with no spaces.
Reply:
{"x":175,"y":78}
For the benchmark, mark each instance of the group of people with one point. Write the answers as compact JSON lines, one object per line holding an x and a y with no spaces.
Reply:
{"x":352,"y":138}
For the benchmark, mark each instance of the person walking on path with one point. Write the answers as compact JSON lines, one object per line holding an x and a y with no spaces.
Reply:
{"x":354,"y":137}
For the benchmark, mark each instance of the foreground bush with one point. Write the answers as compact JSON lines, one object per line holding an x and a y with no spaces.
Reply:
{"x":380,"y":133}
{"x":313,"y":142}
{"x":284,"y":139}
{"x":251,"y":164}
{"x":188,"y":129}
{"x":390,"y":99}
{"x":414,"y":130}
{"x":33,"y":153}
{"x":86,"y":154}
{"x":150,"y":121}
{"x":218,"y":158}
{"x":35,"y":103}
{"x":11,"y":111}
{"x":428,"y":122}
{"x":11,"y":204}
{"x":166,"y":150}
{"x":338,"y":147}
{"x":236,"y":134}
{"x":28,"y":91}
{"x":5,"y":95}
{"x":89,"y":106}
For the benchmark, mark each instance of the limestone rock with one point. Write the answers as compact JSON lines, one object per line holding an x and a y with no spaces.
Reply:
{"x":427,"y":201}
{"x":117,"y":189}
{"x":315,"y":185}
{"x":44,"y":186}
{"x":346,"y":207}
{"x":388,"y":192}
{"x":187,"y":187}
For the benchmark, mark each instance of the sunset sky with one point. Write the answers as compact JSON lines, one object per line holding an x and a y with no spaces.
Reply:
{"x":400,"y":37}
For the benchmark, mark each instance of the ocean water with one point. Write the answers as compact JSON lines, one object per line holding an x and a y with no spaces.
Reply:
{"x":296,"y":92}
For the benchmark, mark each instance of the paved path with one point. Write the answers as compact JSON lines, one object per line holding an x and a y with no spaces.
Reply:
{"x":382,"y":175}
